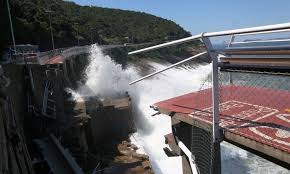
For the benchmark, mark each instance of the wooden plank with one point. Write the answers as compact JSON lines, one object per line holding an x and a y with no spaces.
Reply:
{"x":27,"y":158}
{"x":259,"y":61}
{"x":14,"y":129}
{"x":13,"y":167}
{"x":261,"y":52}
{"x":4,"y":139}
{"x":12,"y":164}
{"x":186,"y":169}
{"x":16,"y":155}
{"x":19,"y":159}
{"x":118,"y":103}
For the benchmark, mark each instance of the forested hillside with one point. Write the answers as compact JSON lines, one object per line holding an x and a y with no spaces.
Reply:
{"x":90,"y":24}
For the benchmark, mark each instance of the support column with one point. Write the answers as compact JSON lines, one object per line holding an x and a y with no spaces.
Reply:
{"x":216,"y":138}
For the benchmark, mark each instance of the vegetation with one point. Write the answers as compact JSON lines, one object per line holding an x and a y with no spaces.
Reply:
{"x":71,"y":22}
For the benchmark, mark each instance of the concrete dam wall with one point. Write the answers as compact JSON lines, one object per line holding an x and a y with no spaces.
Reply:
{"x":39,"y":118}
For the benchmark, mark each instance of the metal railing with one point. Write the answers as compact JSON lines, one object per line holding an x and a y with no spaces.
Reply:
{"x":245,"y":31}
{"x":44,"y":57}
{"x":232,"y":41}
{"x":213,"y":53}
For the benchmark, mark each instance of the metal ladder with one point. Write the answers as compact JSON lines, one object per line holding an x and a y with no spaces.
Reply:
{"x":48,"y":104}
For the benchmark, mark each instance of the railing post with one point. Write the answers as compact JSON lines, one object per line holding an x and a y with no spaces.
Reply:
{"x":215,"y":89}
{"x":230,"y":78}
{"x":216,"y":159}
{"x":231,"y":40}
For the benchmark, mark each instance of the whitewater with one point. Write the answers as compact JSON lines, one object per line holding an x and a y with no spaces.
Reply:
{"x":106,"y":79}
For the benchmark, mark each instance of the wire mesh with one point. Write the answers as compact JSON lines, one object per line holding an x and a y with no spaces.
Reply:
{"x":256,"y":106}
{"x":253,"y":105}
{"x":202,"y":146}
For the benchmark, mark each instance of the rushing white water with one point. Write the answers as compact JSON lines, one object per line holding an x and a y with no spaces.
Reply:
{"x":105,"y":78}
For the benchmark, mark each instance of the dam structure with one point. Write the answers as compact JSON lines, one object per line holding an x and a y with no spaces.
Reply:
{"x":244,"y":102}
{"x":45,"y":130}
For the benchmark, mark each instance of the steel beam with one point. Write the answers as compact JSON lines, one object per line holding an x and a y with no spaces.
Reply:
{"x":216,"y":137}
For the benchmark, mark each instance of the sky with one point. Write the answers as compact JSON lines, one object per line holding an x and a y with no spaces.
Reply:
{"x":198,"y":16}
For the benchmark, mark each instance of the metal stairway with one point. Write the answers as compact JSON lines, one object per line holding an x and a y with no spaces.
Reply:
{"x":49,"y":104}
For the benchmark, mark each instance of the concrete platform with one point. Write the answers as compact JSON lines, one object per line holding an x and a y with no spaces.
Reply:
{"x":256,"y":119}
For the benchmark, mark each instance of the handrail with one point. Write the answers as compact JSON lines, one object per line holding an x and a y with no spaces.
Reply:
{"x":232,"y":42}
{"x":171,"y":66}
{"x":265,"y":29}
{"x":261,"y":29}
{"x":175,"y":42}
{"x":265,"y":32}
{"x":261,"y":41}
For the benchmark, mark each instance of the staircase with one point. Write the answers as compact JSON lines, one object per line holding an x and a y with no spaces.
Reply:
{"x":48,"y":104}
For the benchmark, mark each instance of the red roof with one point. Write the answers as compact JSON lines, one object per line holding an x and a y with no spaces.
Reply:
{"x":259,"y":114}
{"x":55,"y":60}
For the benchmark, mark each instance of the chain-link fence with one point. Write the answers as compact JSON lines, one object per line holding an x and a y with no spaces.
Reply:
{"x":206,"y":153}
{"x":252,"y":105}
{"x":202,"y":149}
{"x":256,"y":106}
